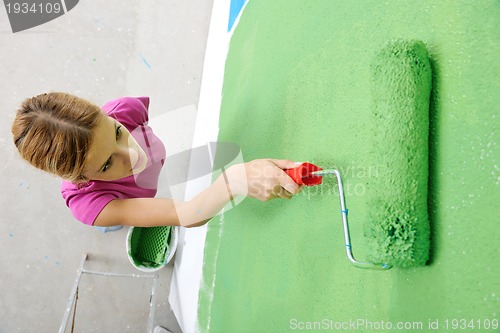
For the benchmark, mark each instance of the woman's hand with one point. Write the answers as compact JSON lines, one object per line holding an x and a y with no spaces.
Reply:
{"x":263,"y":179}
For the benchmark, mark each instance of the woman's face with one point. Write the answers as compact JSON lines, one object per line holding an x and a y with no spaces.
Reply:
{"x":114,"y":153}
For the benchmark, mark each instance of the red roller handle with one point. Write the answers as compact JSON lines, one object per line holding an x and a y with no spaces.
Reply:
{"x":302,"y":174}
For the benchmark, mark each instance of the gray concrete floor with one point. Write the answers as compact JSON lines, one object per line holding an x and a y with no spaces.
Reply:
{"x":99,"y":51}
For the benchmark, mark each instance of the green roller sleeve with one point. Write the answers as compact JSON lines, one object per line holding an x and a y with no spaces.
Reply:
{"x":149,"y":246}
{"x":398,"y":230}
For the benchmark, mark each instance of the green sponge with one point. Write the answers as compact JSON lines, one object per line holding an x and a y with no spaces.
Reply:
{"x":398,"y":231}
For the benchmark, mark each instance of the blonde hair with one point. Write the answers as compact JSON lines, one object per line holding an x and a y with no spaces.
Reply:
{"x":54,"y":131}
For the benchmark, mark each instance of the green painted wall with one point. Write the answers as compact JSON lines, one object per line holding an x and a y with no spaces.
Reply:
{"x":297,"y":86}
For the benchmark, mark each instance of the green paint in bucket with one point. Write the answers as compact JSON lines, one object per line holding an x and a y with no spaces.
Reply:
{"x":151,"y":248}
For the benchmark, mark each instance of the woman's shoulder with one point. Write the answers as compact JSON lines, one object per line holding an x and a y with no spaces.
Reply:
{"x":127,"y":102}
{"x":129,"y":110}
{"x":86,"y":200}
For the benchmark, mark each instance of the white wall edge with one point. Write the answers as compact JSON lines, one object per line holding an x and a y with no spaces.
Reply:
{"x":188,"y":266}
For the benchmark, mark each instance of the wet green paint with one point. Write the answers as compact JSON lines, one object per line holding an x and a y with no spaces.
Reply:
{"x":397,"y":230}
{"x":297,"y":86}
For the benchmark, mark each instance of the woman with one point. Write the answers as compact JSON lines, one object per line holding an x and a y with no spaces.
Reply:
{"x":110,"y":161}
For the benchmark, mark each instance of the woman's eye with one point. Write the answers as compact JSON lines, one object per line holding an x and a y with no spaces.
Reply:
{"x":118,"y":131}
{"x":106,"y":166}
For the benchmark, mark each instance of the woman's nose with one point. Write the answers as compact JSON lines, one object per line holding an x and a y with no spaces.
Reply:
{"x":129,"y":156}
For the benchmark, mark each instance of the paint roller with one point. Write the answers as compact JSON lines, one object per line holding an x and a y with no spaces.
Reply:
{"x":397,"y":231}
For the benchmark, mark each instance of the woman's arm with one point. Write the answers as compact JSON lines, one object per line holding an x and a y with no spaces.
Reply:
{"x":149,"y":212}
{"x":261,"y":179}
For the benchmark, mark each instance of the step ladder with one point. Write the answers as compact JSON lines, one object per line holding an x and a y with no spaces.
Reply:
{"x":72,"y":300}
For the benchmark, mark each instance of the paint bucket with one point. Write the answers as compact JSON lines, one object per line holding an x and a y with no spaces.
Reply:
{"x":150,"y":249}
